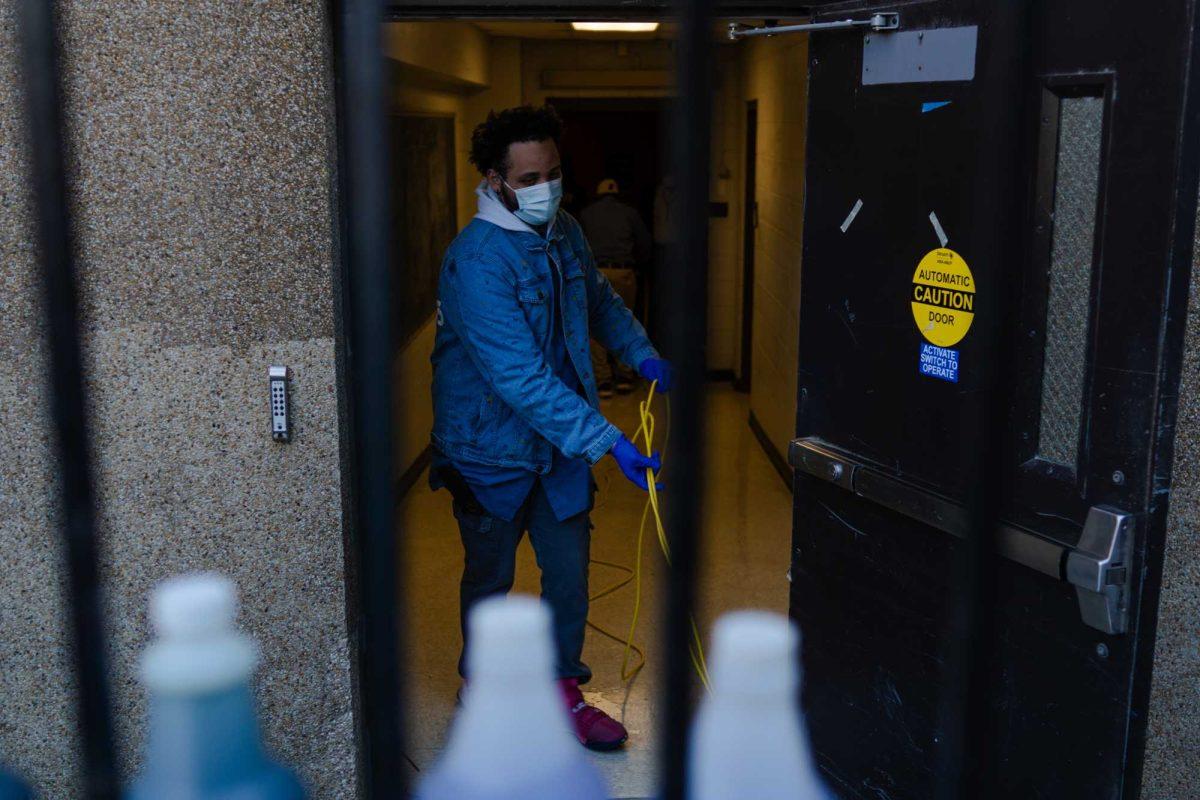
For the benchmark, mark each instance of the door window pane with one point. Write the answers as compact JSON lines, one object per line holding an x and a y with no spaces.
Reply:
{"x":1076,"y":184}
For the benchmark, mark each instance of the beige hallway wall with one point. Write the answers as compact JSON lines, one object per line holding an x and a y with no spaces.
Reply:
{"x":726,"y":185}
{"x":775,"y":73}
{"x":454,"y":70}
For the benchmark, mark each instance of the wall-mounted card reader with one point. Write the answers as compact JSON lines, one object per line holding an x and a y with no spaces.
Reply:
{"x":281,"y":405}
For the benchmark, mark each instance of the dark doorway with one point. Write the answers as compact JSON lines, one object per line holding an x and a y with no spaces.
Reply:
{"x":610,"y":138}
{"x":615,"y":138}
{"x":749,"y":237}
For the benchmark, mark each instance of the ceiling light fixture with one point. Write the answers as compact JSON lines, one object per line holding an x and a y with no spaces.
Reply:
{"x":616,"y":27}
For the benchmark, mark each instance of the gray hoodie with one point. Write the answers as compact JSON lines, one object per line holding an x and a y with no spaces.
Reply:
{"x":492,"y":209}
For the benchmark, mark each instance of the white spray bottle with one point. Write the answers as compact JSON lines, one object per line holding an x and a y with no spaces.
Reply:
{"x":749,"y":741}
{"x":203,"y":742}
{"x":512,"y":740}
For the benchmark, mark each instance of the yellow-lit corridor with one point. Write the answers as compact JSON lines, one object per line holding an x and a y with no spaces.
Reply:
{"x":747,"y":538}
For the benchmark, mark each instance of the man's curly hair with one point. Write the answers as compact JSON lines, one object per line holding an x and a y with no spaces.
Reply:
{"x":491,"y":139}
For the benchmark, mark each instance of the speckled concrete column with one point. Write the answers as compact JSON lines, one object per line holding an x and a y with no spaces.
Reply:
{"x":202,"y":140}
{"x":1172,"y":770}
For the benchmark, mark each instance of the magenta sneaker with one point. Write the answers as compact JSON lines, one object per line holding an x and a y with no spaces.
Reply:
{"x":595,"y":729}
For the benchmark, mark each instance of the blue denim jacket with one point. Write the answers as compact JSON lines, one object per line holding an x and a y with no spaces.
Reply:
{"x":496,"y":399}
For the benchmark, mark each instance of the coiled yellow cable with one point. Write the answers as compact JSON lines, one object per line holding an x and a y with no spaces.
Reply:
{"x":695,"y":647}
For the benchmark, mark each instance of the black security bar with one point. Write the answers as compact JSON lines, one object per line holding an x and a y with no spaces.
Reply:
{"x":368,"y":270}
{"x":43,"y":88}
{"x":685,"y":325}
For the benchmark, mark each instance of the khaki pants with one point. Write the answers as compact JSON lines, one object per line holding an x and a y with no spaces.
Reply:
{"x":606,"y":367}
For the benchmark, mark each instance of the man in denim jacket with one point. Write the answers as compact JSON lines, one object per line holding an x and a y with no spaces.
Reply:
{"x":517,"y":424}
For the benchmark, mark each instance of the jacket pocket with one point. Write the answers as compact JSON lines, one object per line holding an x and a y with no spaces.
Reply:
{"x":572,"y":266}
{"x":530,"y":291}
{"x":485,"y":416}
{"x":535,"y":301}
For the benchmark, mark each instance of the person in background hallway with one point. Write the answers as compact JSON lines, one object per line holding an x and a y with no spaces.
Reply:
{"x":622,"y":247}
{"x":516,"y":423}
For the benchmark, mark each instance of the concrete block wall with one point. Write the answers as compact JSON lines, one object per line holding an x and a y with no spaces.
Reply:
{"x":726,"y":185}
{"x":202,"y":150}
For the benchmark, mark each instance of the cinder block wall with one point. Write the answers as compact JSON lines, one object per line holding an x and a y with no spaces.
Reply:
{"x":202,"y":142}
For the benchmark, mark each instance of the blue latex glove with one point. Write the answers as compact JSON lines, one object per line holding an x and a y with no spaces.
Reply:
{"x":657,"y":369}
{"x":634,"y":464}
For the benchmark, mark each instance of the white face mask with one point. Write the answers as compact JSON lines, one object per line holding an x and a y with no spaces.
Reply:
{"x":537,"y":205}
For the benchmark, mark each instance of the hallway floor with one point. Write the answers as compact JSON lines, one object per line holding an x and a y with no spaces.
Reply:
{"x":745,"y":562}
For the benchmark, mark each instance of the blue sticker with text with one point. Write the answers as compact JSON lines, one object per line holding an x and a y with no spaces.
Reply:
{"x":939,"y":362}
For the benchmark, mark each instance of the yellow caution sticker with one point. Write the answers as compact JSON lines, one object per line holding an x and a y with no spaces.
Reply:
{"x":943,"y":297}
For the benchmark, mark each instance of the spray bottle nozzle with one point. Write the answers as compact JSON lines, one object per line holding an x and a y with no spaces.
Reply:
{"x":198,"y":649}
{"x":193,"y":606}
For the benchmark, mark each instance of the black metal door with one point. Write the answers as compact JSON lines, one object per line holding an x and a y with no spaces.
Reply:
{"x":994,"y":186}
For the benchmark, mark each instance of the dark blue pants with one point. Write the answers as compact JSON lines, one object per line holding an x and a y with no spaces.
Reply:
{"x":562,"y":550}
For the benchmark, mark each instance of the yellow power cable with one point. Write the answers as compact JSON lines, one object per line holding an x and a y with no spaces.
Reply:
{"x":695,"y":647}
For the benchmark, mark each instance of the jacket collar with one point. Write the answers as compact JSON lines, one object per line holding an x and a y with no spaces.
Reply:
{"x":492,"y":209}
